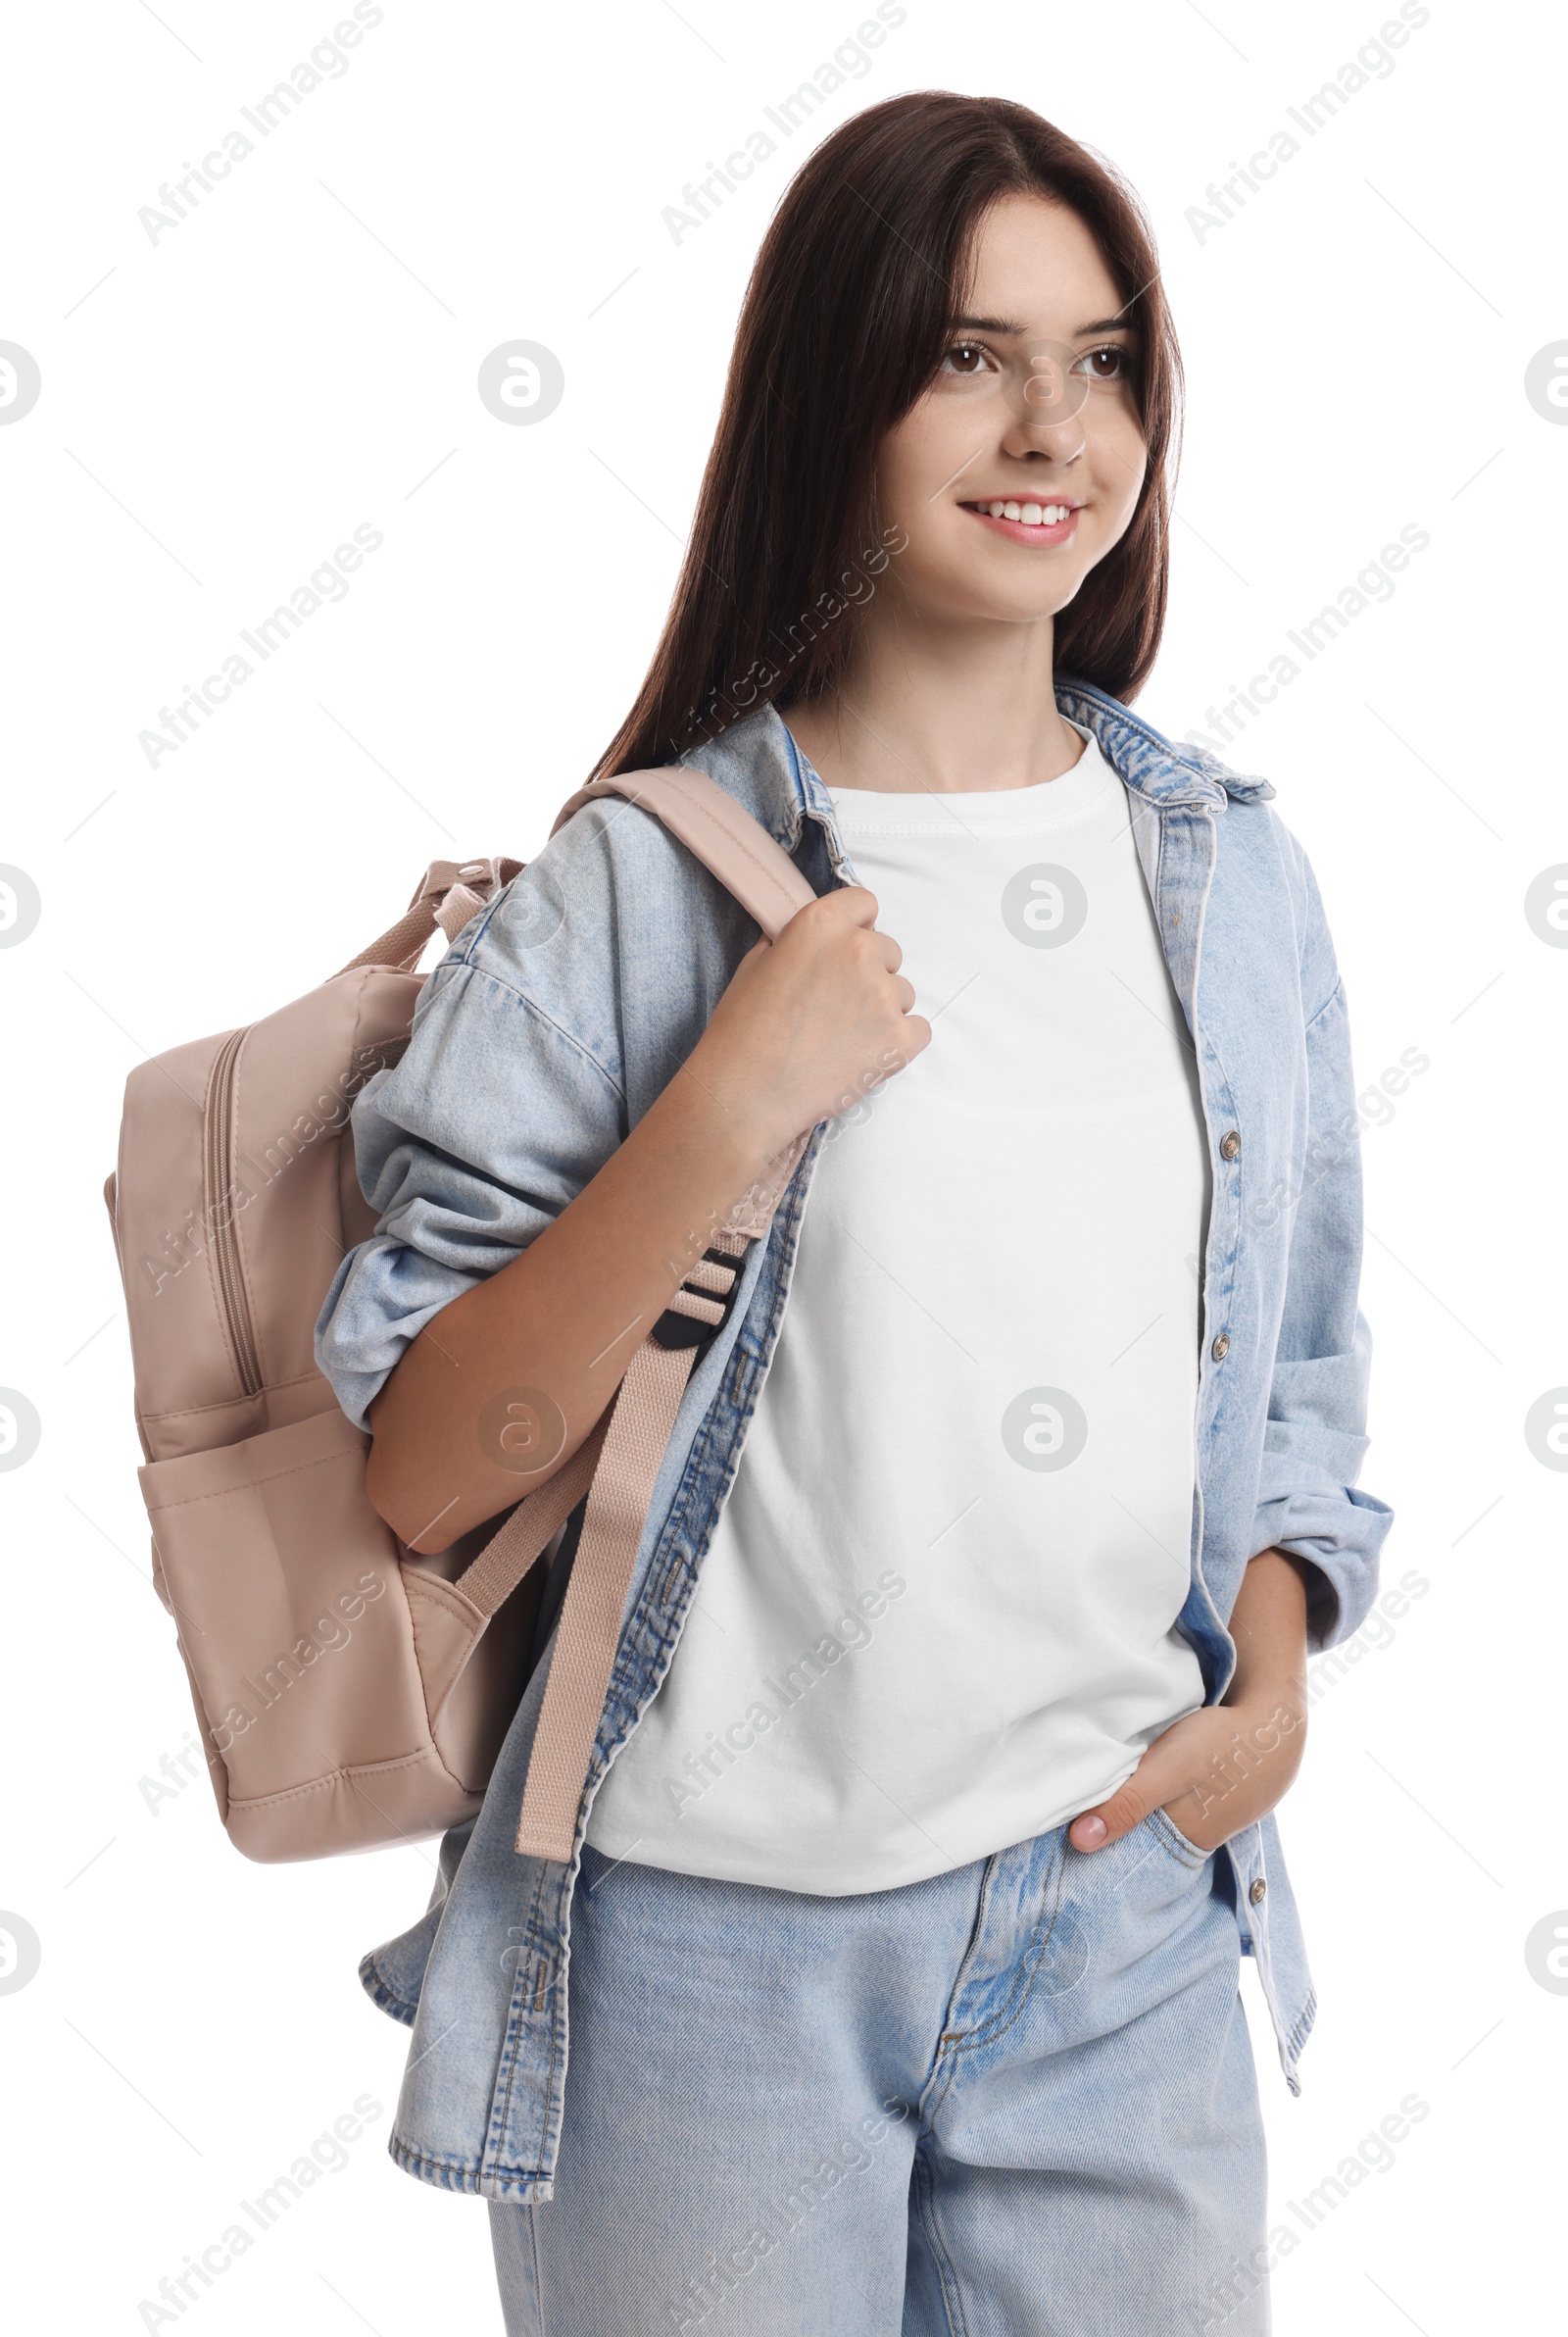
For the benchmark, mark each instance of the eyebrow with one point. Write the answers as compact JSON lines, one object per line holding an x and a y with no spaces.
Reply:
{"x":1011,"y":324}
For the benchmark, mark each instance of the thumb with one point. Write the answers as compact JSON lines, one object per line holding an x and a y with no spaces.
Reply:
{"x":1163,"y":1774}
{"x":1107,"y":1821}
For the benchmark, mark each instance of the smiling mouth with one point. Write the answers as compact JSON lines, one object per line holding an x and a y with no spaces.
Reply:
{"x":1027,"y":522}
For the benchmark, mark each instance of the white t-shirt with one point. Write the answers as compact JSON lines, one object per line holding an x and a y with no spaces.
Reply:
{"x":936,"y":1616}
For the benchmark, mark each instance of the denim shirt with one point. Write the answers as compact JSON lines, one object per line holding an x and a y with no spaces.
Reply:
{"x":556,"y":1017}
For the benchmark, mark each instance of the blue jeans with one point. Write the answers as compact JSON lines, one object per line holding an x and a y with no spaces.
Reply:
{"x":1016,"y":2100}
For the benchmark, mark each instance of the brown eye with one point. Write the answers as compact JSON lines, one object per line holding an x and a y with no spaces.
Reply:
{"x":1108,"y":365}
{"x":965,"y":357}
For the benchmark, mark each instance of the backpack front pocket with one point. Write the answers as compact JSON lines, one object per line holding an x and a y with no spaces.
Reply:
{"x":294,"y":1620}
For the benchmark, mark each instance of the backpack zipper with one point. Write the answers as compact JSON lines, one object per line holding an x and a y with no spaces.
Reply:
{"x":218,"y":1149}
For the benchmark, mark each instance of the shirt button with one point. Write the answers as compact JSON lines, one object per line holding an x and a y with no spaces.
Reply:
{"x":1221,"y":1347}
{"x":1229,"y":1146}
{"x":1257,"y":1890}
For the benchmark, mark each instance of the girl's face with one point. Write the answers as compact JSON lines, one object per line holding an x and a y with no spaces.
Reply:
{"x":1033,"y":407}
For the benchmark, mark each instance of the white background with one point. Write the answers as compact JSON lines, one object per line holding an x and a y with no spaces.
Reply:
{"x":223,"y":406}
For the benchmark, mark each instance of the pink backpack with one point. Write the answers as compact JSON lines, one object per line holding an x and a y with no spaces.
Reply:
{"x":349,"y":1692}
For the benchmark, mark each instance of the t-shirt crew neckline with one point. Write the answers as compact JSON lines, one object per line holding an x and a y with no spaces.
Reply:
{"x":927,"y":811}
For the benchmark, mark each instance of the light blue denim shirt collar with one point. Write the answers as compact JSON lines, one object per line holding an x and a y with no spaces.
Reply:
{"x":1164,"y":776}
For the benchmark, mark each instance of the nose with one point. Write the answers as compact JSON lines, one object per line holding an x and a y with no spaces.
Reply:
{"x":1047,"y":415}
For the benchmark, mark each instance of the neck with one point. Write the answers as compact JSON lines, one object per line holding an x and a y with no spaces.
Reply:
{"x":956,"y":709}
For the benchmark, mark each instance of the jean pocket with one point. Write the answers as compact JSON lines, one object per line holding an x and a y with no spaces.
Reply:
{"x":1165,"y":1831}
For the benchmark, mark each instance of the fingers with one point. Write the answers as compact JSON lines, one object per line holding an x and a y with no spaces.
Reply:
{"x":915,"y":1036}
{"x":853,"y":905}
{"x":853,"y":902}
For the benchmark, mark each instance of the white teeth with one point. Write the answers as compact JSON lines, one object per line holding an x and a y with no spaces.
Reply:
{"x":1032,"y":514}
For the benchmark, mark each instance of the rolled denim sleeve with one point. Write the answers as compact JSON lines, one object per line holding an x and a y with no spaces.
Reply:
{"x":466,"y":1150}
{"x":1308,"y":1502}
{"x":496,"y":1117}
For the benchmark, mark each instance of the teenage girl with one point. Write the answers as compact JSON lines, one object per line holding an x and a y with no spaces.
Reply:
{"x":965,"y":1658}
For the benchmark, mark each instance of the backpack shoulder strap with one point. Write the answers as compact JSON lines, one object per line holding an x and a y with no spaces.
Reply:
{"x":624,"y":1453}
{"x":730,"y":844}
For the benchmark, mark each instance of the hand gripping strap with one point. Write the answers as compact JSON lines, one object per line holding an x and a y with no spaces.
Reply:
{"x":748,"y":862}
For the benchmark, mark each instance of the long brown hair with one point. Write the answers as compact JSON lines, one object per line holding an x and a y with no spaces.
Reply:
{"x":848,"y":315}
